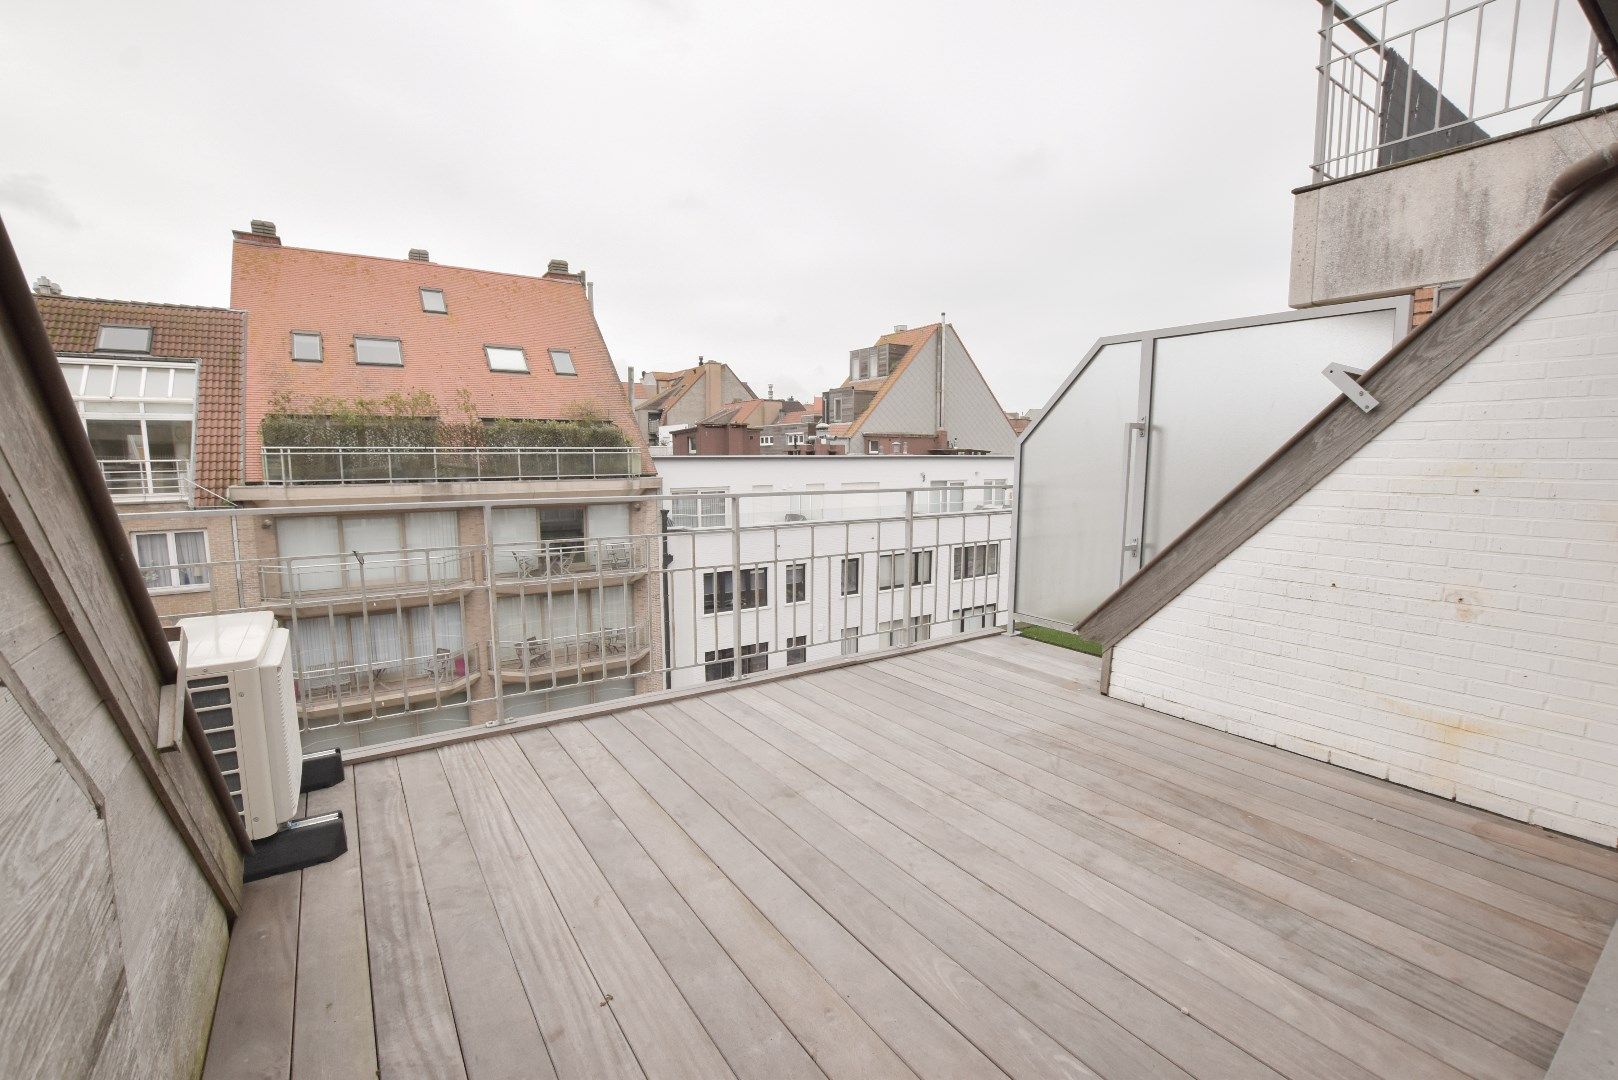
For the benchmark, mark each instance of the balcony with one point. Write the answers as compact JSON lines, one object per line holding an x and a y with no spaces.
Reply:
{"x":345,"y":584}
{"x":350,"y":692}
{"x":959,"y":861}
{"x":289,"y":466}
{"x":147,"y":479}
{"x":539,"y":661}
{"x":572,"y":564}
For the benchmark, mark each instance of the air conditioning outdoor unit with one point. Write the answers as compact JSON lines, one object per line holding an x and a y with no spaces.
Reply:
{"x":239,"y":673}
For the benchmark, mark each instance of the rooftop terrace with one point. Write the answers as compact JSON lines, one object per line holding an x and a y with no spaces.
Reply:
{"x":953,"y":861}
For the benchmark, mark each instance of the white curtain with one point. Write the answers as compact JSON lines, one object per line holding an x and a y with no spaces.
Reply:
{"x":607,"y":520}
{"x":191,"y":552}
{"x":309,"y":550}
{"x":377,"y":538}
{"x":516,"y":531}
{"x":439,"y":534}
{"x":152,"y":553}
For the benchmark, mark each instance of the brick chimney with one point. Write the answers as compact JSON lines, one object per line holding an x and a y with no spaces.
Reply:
{"x":419,"y":255}
{"x":259,"y":232}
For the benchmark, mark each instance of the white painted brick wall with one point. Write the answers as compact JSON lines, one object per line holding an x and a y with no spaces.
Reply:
{"x":1442,"y":611}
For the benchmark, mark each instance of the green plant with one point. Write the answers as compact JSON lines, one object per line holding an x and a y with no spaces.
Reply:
{"x":1060,"y":638}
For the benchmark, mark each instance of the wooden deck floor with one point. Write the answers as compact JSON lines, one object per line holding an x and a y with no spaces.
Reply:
{"x":962,"y":862}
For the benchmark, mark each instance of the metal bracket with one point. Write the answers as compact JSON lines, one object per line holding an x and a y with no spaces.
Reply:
{"x":1347,"y":379}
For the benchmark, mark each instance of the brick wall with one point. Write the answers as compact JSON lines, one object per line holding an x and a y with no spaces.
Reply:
{"x":1442,"y":611}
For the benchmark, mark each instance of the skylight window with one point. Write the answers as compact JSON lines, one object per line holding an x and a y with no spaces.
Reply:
{"x":380,"y":351}
{"x":504,"y":359}
{"x":125,"y":339}
{"x":562,"y":362}
{"x":306,"y":346}
{"x":432,"y":300}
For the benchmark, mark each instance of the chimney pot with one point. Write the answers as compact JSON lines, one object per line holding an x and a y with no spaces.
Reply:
{"x":46,"y":287}
{"x":419,"y":255}
{"x":261,"y":228}
{"x":557,"y":266}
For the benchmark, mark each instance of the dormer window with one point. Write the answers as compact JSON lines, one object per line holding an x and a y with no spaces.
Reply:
{"x":124,"y":339}
{"x":432,"y":302}
{"x":506,"y":359}
{"x":384,"y":352}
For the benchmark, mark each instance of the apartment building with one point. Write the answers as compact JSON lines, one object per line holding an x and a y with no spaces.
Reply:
{"x":916,"y":391}
{"x":778,"y":561}
{"x":743,"y":427}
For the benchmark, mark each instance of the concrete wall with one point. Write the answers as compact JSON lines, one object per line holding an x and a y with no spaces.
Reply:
{"x":1429,"y":222}
{"x":1441,"y":611}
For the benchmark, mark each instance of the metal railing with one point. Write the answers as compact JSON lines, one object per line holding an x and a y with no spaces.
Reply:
{"x":1402,"y":79}
{"x":292,"y":465}
{"x":576,"y":621}
{"x":134,"y":479}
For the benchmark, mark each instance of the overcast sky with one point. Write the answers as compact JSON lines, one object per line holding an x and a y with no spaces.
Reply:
{"x":768,"y":184}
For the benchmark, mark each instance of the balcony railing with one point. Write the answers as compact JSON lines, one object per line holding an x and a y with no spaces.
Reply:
{"x":296,"y":465}
{"x":135,"y":479}
{"x":573,"y":621}
{"x":1402,"y":79}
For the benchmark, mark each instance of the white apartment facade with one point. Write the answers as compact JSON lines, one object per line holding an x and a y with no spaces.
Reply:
{"x":775,"y":561}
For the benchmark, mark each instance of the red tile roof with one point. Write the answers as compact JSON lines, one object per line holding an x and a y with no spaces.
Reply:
{"x":340,"y":296}
{"x":213,"y":337}
{"x":913,"y":339}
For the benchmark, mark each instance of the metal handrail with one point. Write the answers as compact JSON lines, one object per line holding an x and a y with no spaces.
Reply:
{"x":146,"y":478}
{"x":1397,"y":82}
{"x":295,"y":465}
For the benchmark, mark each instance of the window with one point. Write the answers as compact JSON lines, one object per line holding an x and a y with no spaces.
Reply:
{"x":797,"y":649}
{"x":698,"y":509}
{"x":906,"y":631}
{"x":946,"y":497}
{"x":836,"y":410}
{"x":716,"y":589}
{"x":873,"y":446}
{"x":755,"y":658}
{"x":766,"y":440}
{"x":503,"y":359}
{"x":383,"y":352}
{"x":851,"y":640}
{"x":755,"y":587}
{"x":976,"y":618}
{"x":898,"y":447}
{"x":795,"y":438}
{"x":562,"y":362}
{"x":139,"y":415}
{"x":432,"y":300}
{"x":720,"y":664}
{"x":851,"y":576}
{"x":172,"y":560}
{"x":997,"y":492}
{"x":796,"y":584}
{"x":889,"y":576}
{"x":317,"y":551}
{"x":306,"y":346}
{"x":130,"y":339}
{"x":976,"y":560}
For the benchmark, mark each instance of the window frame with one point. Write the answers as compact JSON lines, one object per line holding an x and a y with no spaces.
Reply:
{"x":397,"y":343}
{"x":443,"y":300}
{"x":174,"y":567}
{"x":797,"y":649}
{"x":567,"y":354}
{"x":795,"y":591}
{"x":522,"y":353}
{"x":895,"y":580}
{"x":856,"y":563}
{"x":102,"y":328}
{"x":320,"y":347}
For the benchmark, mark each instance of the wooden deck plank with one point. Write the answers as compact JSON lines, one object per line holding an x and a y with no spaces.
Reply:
{"x":1304,"y":885}
{"x":841,"y":1043}
{"x":956,"y":863}
{"x":253,"y":1022}
{"x":924,"y":1039}
{"x":1256,"y":958}
{"x":1560,"y":886}
{"x":1096,"y":842}
{"x":582,"y":1038}
{"x":945,"y":916}
{"x":1080,"y":961}
{"x":666,"y":1036}
{"x":1557,"y":849}
{"x":334,"y":1036}
{"x":754,"y":1041}
{"x":498,"y":1032}
{"x":1573,"y":933}
{"x":415,"y":1026}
